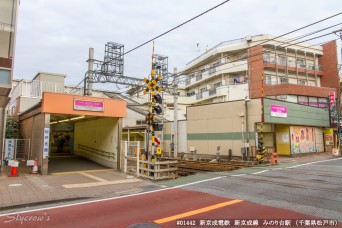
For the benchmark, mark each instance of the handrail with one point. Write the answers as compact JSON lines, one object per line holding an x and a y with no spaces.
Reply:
{"x":96,"y":151}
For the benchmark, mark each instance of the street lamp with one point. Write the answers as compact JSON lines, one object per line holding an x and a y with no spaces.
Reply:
{"x":247,"y":99}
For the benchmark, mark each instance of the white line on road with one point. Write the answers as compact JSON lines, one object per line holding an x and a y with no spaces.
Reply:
{"x":261,"y":171}
{"x":238,"y":175}
{"x":313,"y":163}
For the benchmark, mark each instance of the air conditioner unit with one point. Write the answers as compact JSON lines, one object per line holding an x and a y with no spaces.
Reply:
{"x":241,"y":114}
{"x":249,"y":38}
{"x":206,"y":67}
{"x":223,"y":60}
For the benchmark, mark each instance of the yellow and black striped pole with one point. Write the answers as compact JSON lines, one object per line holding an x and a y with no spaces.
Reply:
{"x":262,"y":149}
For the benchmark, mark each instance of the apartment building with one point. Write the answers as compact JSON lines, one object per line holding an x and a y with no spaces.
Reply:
{"x":232,"y":70}
{"x":293,"y":76}
{"x":8,"y":22}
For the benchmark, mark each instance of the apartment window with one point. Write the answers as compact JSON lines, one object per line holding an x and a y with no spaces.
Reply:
{"x":218,"y":84}
{"x":281,"y":60}
{"x":243,"y":56}
{"x":5,"y":77}
{"x":270,"y":80}
{"x":301,"y":82}
{"x":189,"y":94}
{"x":203,"y":89}
{"x":266,"y":57}
{"x":283,"y":80}
{"x":300,"y":63}
{"x":291,"y":62}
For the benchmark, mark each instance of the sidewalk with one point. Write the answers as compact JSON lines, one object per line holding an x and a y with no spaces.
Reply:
{"x":34,"y":189}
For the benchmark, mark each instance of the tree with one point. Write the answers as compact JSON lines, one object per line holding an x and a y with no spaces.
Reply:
{"x":12,"y":127}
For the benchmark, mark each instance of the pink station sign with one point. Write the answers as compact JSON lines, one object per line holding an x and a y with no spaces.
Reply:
{"x":332,"y":98}
{"x":278,"y":111}
{"x":96,"y":106}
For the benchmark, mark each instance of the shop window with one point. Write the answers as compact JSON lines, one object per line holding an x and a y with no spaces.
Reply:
{"x":303,"y":100}
{"x":313,"y":101}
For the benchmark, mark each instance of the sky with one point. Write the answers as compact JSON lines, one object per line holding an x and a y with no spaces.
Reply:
{"x":55,"y":35}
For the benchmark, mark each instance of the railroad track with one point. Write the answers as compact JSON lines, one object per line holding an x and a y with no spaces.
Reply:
{"x":192,"y":167}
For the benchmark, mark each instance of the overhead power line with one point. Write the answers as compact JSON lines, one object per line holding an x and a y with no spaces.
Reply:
{"x":176,"y":27}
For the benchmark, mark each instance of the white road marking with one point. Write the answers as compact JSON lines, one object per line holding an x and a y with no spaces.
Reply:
{"x":94,"y":184}
{"x":261,"y":171}
{"x":313,"y":163}
{"x":15,"y":185}
{"x":92,"y":177}
{"x":237,"y":175}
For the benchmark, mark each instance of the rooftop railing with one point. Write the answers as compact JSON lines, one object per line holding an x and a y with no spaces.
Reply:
{"x":35,"y":88}
{"x":6,"y":27}
{"x":224,"y":43}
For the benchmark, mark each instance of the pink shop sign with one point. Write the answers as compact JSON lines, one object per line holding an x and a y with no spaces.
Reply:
{"x":96,"y":106}
{"x":278,"y":111}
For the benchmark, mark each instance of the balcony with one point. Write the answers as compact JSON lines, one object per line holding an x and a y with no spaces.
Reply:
{"x":271,"y":62}
{"x":218,"y":70}
{"x":231,"y":93}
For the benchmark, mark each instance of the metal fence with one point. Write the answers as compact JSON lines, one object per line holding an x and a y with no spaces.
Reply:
{"x":131,"y":159}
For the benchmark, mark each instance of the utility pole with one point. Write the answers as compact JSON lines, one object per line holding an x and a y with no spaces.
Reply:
{"x":89,"y":86}
{"x":175,"y":121}
{"x":339,"y":33}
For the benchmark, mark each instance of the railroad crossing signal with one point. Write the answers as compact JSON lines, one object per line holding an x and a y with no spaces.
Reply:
{"x":152,"y":85}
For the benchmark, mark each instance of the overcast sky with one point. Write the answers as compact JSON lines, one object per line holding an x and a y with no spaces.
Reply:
{"x":55,"y":35}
